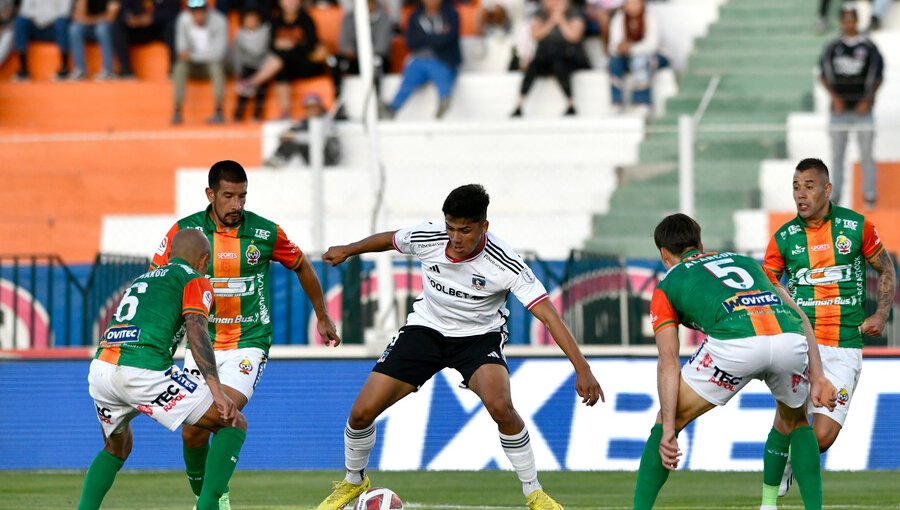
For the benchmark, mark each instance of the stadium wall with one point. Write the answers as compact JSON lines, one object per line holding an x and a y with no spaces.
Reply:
{"x":297,"y":417}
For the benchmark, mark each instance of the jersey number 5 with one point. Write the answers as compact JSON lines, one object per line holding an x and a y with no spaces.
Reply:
{"x":128,"y":306}
{"x":734,"y":277}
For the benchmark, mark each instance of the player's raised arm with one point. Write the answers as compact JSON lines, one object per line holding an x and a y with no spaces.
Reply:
{"x":585,"y":383}
{"x":383,"y":241}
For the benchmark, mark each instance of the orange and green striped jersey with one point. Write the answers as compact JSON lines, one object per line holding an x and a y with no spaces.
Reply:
{"x":725,"y":295}
{"x":826,"y":271}
{"x":149,"y":321}
{"x":239,"y":273}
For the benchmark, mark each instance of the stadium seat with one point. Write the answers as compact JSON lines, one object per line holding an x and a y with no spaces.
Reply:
{"x":328,"y":25}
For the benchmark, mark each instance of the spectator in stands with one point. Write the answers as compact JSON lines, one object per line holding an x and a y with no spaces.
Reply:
{"x":42,"y":20}
{"x":141,"y":22}
{"x":201,"y":40}
{"x":7,"y":13}
{"x":432,"y":36}
{"x":251,"y":46}
{"x":879,"y":8}
{"x":852,"y":70}
{"x":634,"y":50}
{"x":295,"y":53}
{"x":295,"y":141}
{"x":600,"y":12}
{"x":92,"y":20}
{"x":346,"y":61}
{"x":558,"y":30}
{"x":263,"y":7}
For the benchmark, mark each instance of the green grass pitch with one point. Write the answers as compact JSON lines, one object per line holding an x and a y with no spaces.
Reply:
{"x":457,"y":490}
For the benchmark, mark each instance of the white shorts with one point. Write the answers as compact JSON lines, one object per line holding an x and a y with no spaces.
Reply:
{"x":240,"y":369}
{"x":720,"y":368}
{"x":843,"y":367}
{"x":170,"y":396}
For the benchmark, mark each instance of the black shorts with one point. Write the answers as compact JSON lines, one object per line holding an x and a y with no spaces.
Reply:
{"x":418,"y":352}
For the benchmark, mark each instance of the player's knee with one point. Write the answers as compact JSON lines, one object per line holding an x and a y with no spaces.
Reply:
{"x":240,"y":421}
{"x":825,"y":439}
{"x":500,"y":409}
{"x":361,"y":416}
{"x":194,"y":437}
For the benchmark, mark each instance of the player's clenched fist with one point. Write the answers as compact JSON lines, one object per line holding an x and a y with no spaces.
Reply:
{"x":335,"y":255}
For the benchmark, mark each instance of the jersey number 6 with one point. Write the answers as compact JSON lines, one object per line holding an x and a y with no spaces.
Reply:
{"x":128,"y":306}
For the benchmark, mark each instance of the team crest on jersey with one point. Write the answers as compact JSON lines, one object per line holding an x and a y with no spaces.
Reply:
{"x":843,"y":244}
{"x":245,"y":366}
{"x":252,"y":254}
{"x":478,"y":282}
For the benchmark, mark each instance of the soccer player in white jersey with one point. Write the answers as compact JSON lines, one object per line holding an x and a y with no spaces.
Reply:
{"x":459,"y":321}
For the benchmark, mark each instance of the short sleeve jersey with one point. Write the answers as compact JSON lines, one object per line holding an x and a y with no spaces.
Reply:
{"x":466,"y":297}
{"x":239,"y":273}
{"x":826,"y":271}
{"x":149,"y":321}
{"x":725,"y":295}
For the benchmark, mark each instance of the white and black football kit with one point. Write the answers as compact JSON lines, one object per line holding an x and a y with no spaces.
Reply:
{"x":459,"y":320}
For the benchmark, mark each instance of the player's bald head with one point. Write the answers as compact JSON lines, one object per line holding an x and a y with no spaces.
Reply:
{"x":191,"y":245}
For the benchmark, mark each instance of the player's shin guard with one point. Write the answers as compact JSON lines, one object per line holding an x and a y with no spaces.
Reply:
{"x":806,"y":459}
{"x":652,"y":474}
{"x":774,"y":459}
{"x":223,"y":456}
{"x":518,"y":450}
{"x":195,"y":466}
{"x":358,"y":445}
{"x":99,"y":479}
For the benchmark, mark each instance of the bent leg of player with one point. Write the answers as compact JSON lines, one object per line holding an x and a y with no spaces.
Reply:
{"x":240,"y":370}
{"x":114,"y":415}
{"x":787,"y":379}
{"x":106,"y":465}
{"x":377,"y":394}
{"x":711,"y":377}
{"x":224,"y":452}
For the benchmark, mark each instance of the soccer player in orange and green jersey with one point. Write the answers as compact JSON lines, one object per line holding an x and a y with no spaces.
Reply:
{"x":133,"y":372}
{"x":243,"y":247}
{"x":823,"y":253}
{"x":755,"y":331}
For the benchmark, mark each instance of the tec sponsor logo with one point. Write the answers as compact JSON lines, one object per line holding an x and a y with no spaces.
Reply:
{"x":794,"y":229}
{"x":844,"y":222}
{"x":751,"y":300}
{"x":168,"y":399}
{"x":118,"y":335}
{"x":261,"y":233}
{"x":723,"y":379}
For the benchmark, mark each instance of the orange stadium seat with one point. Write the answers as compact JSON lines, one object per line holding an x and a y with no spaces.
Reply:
{"x":328,"y":25}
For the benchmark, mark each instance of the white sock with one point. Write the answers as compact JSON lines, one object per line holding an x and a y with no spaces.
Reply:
{"x":358,"y":445}
{"x":518,"y":449}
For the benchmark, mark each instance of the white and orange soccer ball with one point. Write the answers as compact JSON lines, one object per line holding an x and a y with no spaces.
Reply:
{"x":378,"y":499}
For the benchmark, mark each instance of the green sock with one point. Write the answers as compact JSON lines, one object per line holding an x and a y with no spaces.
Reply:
{"x":652,"y":474}
{"x":805,"y":461}
{"x":223,"y":457}
{"x":100,"y":477}
{"x":195,"y":465}
{"x":774,"y":459}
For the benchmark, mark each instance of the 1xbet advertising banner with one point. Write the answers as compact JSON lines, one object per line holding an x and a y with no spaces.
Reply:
{"x":297,"y":418}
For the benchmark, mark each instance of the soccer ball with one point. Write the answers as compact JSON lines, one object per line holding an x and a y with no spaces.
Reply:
{"x":378,"y":499}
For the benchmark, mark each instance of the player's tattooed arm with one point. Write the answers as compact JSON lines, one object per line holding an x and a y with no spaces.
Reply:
{"x":201,"y":346}
{"x":887,"y":283}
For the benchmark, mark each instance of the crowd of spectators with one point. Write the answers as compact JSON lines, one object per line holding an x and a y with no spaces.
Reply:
{"x":277,"y":42}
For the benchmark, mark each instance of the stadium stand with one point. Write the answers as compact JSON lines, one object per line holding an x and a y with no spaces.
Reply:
{"x":807,"y":136}
{"x":763,"y":52}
